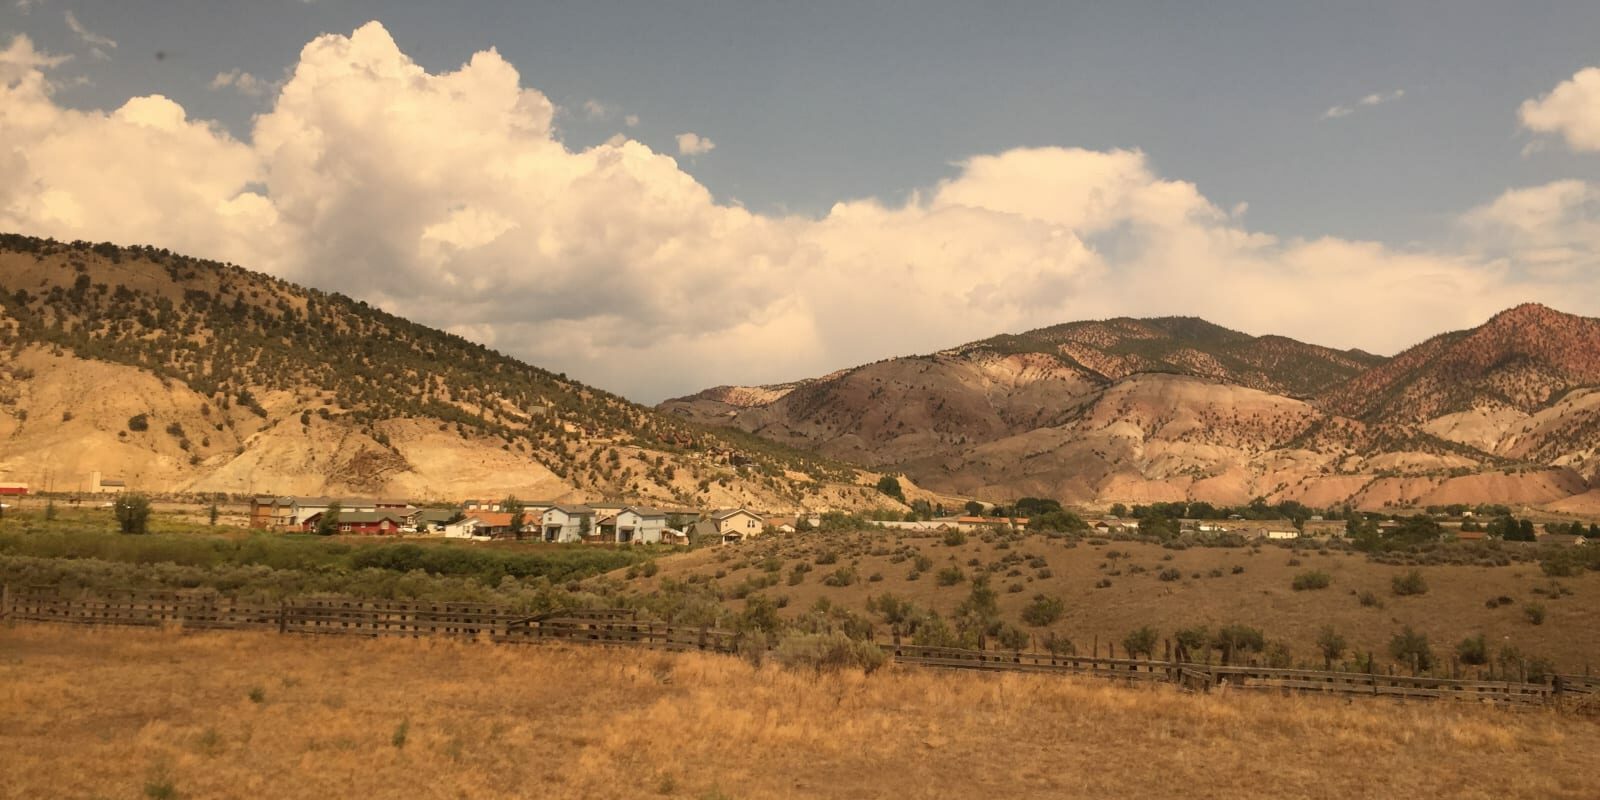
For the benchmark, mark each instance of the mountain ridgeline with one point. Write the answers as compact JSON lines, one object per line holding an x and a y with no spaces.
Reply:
{"x":179,"y":374}
{"x":1178,"y":408}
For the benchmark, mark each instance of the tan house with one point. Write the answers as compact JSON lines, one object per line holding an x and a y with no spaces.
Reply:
{"x":737,"y":524}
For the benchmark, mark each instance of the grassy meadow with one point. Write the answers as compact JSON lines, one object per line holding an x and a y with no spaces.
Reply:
{"x":146,"y":713}
{"x":80,"y":548}
{"x":1087,"y":591}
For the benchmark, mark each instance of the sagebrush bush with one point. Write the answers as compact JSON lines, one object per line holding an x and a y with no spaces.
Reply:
{"x":1534,"y":613}
{"x":1315,"y":579}
{"x":828,"y":652}
{"x":1410,"y":583}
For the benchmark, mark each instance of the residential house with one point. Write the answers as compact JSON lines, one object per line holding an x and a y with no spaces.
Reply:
{"x":737,"y":524}
{"x":365,"y":522}
{"x":498,"y":524}
{"x":566,"y":523}
{"x":781,"y":524}
{"x":703,"y":531}
{"x":261,"y":511}
{"x":632,"y":525}
{"x":432,"y":520}
{"x":13,"y":489}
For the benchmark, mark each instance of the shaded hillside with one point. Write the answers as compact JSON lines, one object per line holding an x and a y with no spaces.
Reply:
{"x":189,"y":374}
{"x":1117,"y":348}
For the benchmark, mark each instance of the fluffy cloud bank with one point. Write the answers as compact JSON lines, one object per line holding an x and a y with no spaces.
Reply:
{"x":449,"y":198}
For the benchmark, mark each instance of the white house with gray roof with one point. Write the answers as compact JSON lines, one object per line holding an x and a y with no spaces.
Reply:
{"x":634,"y":525}
{"x":562,"y":523}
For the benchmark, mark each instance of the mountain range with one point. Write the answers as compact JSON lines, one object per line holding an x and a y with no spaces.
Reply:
{"x":176,"y":374}
{"x":1178,"y":408}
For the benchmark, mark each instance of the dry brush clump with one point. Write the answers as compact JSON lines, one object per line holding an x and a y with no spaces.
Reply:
{"x":127,"y":713}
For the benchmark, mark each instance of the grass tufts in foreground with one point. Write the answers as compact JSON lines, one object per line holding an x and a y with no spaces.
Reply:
{"x":127,"y":713}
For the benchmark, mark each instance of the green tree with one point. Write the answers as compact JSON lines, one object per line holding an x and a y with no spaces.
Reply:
{"x":1119,"y":510}
{"x":518,"y":512}
{"x":132,"y":512}
{"x":890,"y":485}
{"x":212,"y":513}
{"x":328,"y":523}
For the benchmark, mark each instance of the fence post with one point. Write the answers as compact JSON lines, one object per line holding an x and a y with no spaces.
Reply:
{"x":283,"y":616}
{"x":5,"y":601}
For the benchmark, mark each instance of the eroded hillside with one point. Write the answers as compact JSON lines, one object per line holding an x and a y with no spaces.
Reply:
{"x":1177,"y":408}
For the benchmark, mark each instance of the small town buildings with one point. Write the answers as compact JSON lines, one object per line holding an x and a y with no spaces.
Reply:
{"x":781,"y":524}
{"x":566,"y":523}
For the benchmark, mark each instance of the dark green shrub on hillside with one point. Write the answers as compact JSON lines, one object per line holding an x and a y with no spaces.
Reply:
{"x":1140,"y":642}
{"x":1410,"y":583}
{"x":1043,"y":611}
{"x":1473,"y":650}
{"x":1315,"y":579}
{"x":1411,"y":648}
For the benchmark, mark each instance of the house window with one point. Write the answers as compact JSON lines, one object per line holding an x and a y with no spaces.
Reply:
{"x":345,"y":528}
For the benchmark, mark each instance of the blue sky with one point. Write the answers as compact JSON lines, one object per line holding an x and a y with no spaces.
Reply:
{"x":813,"y":104}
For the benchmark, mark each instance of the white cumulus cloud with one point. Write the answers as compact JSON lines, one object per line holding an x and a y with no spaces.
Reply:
{"x":1571,"y":110}
{"x":450,"y":198}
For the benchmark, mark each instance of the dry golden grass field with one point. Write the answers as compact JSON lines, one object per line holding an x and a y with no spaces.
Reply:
{"x":141,"y":713}
{"x":1217,"y":586}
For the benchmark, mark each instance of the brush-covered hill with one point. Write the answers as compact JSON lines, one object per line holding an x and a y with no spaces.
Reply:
{"x":179,"y":374}
{"x":1129,"y":410}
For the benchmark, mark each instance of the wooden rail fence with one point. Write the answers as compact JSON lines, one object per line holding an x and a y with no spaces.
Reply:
{"x":352,"y":617}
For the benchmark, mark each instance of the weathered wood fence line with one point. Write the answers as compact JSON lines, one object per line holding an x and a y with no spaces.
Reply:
{"x":353,"y":617}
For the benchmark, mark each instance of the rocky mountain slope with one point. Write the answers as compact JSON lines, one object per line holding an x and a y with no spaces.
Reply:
{"x":177,"y":374}
{"x":1178,"y":408}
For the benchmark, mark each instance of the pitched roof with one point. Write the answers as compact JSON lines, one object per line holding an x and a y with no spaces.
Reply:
{"x":364,"y":517}
{"x":573,"y":511}
{"x":724,"y":513}
{"x":645,"y":511}
{"x":495,"y":519}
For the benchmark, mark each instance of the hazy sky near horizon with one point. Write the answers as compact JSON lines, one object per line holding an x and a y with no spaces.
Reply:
{"x":657,"y":197}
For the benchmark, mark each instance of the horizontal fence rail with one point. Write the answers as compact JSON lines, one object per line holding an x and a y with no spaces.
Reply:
{"x":199,"y":610}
